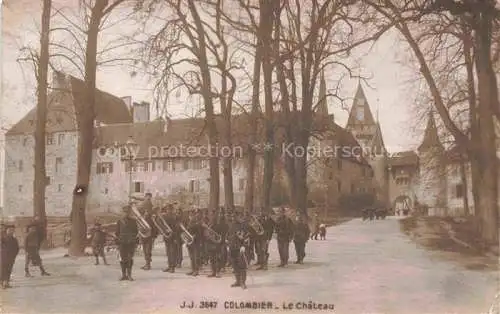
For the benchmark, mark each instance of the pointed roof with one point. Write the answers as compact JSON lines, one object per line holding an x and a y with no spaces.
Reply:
{"x":377,"y":144}
{"x":431,"y":138}
{"x":360,"y":102}
{"x":322,"y":107}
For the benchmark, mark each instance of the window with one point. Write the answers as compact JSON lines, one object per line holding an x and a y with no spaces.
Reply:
{"x":50,"y":138}
{"x":59,"y":188}
{"x":20,"y":165}
{"x":59,"y":162}
{"x":185,"y":164}
{"x":459,"y":190}
{"x":20,"y":188}
{"x":194,"y":186}
{"x":25,"y":141}
{"x":339,"y":164}
{"x":104,"y":167}
{"x":149,"y":165}
{"x":47,"y":180}
{"x":191,"y":186}
{"x":339,"y":186}
{"x":168,"y":165}
{"x":241,"y":185}
{"x":138,"y":187}
{"x":197,"y":164}
{"x":330,"y":175}
{"x":60,"y":138}
{"x":204,"y":164}
{"x":360,"y":113}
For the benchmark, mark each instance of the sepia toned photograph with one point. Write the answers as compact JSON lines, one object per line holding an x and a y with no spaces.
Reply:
{"x":250,"y":156}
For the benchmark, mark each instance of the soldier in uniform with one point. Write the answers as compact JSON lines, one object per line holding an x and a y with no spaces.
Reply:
{"x":181,"y":219}
{"x":215,"y":249}
{"x":284,"y":231}
{"x":146,"y":209}
{"x":264,"y":240}
{"x":98,"y":240}
{"x":238,"y":239}
{"x":9,"y":251}
{"x":173,"y":243}
{"x":32,"y":244}
{"x":301,"y":235}
{"x":250,"y":250}
{"x":126,"y":235}
{"x":195,"y":228}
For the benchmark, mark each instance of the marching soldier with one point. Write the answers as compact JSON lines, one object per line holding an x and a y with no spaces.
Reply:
{"x":180,"y":219}
{"x":284,"y":231}
{"x":196,"y":230}
{"x":146,"y":209}
{"x":264,"y":240}
{"x":32,"y":245}
{"x":173,"y":243}
{"x":98,"y":240}
{"x":301,"y":235}
{"x":126,"y":234}
{"x":238,"y":239}
{"x":10,"y":249}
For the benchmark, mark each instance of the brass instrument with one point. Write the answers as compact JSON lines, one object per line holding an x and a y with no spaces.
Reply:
{"x":142,"y":224}
{"x":212,"y":235}
{"x":186,"y":236}
{"x":162,"y":226}
{"x":255,"y":224}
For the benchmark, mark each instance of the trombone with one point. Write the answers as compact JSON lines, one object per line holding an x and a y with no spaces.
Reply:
{"x":186,"y":236}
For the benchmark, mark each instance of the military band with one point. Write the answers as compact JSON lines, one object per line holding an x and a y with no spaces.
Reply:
{"x":221,"y":237}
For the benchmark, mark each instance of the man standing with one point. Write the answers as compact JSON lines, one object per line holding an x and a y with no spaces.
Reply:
{"x":238,"y":239}
{"x":32,"y":245}
{"x":284,"y":231}
{"x":215,"y":248}
{"x":9,"y":251}
{"x":181,"y":219}
{"x":173,"y":243}
{"x":98,"y":240}
{"x":301,"y":235}
{"x":146,"y":209}
{"x":196,"y":230}
{"x":268,"y":225}
{"x":126,"y":235}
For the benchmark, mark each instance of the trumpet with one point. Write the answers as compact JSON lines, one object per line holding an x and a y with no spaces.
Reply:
{"x":162,"y":226}
{"x":186,"y":236}
{"x":142,"y":224}
{"x":255,"y":224}
{"x":212,"y":235}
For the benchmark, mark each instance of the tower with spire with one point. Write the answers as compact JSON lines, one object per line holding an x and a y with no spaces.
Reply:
{"x":368,"y":133}
{"x":432,"y":177}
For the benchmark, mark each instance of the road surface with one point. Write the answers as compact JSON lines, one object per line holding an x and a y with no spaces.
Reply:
{"x":362,"y":267}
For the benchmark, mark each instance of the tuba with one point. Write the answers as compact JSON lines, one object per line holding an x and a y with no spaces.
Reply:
{"x":162,"y":226}
{"x":212,"y":235}
{"x":142,"y":224}
{"x":186,"y":236}
{"x":255,"y":224}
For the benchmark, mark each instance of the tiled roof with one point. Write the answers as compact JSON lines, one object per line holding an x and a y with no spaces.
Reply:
{"x":61,"y":109}
{"x":431,"y":137}
{"x":405,"y":158}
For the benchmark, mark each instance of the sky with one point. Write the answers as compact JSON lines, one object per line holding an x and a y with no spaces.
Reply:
{"x":389,"y":89}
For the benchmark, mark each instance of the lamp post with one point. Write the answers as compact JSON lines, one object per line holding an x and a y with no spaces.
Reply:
{"x":130,"y":145}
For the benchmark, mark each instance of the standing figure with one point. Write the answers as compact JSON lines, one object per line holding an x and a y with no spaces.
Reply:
{"x":98,"y":240}
{"x":32,"y":244}
{"x":194,"y":249}
{"x":126,"y":235}
{"x":238,"y":238}
{"x":215,"y":248}
{"x":284,"y":231}
{"x":268,"y":225}
{"x":181,"y":218}
{"x":172,"y":243}
{"x":301,"y":235}
{"x":9,"y":251}
{"x":146,"y":209}
{"x":250,"y":250}
{"x":314,"y":234}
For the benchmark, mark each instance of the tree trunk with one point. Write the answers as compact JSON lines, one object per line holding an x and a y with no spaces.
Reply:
{"x":209,"y":107}
{"x":227,"y":160}
{"x":253,"y":119}
{"x":301,"y":173}
{"x":85,"y":120}
{"x":40,"y":180}
{"x":465,"y":185}
{"x":268,"y":18}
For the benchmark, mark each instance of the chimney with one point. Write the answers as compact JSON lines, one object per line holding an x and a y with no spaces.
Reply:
{"x":128,"y":101}
{"x":141,"y":112}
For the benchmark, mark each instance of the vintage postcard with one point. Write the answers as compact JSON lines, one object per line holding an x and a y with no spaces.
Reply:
{"x":250,"y":156}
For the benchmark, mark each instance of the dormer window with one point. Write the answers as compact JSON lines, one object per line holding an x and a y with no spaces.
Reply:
{"x":360,"y":113}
